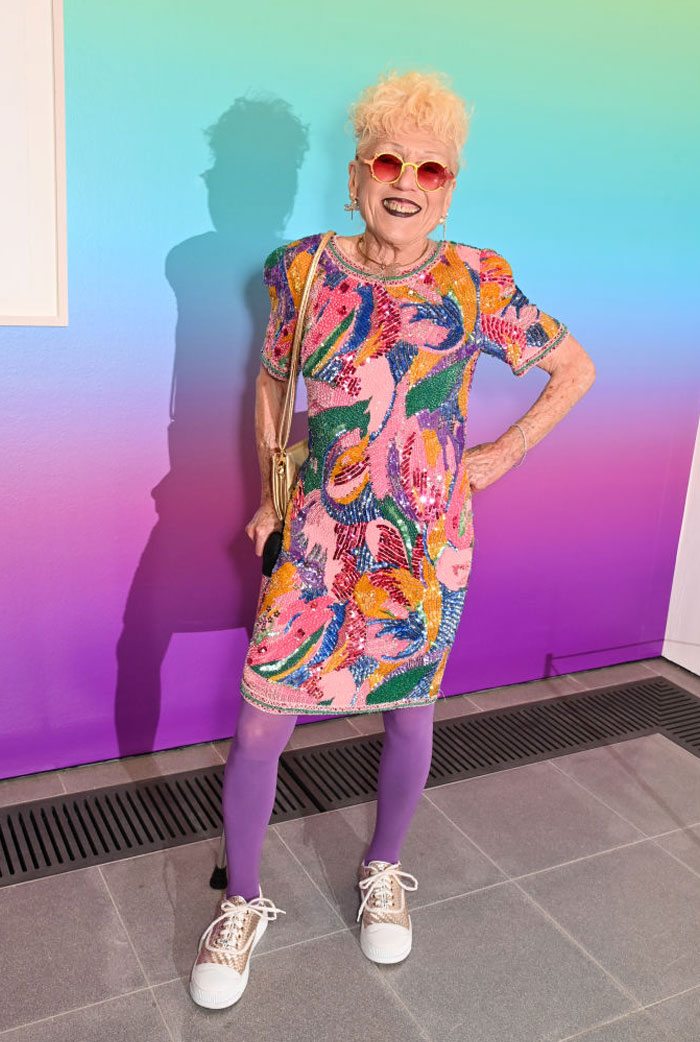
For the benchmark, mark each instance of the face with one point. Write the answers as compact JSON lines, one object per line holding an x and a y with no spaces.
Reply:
{"x":401,"y":213}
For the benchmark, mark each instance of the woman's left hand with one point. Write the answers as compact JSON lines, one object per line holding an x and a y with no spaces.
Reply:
{"x":487,"y":463}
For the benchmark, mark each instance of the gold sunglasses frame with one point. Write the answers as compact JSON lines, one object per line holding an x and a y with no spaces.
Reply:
{"x":404,"y":163}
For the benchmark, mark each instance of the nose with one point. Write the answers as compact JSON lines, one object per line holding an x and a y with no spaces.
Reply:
{"x":407,"y":181}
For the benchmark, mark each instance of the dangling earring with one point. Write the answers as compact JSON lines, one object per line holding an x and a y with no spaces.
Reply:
{"x":443,"y":221}
{"x":352,"y":207}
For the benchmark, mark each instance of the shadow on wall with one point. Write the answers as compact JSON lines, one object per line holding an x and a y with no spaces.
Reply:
{"x":198,"y":568}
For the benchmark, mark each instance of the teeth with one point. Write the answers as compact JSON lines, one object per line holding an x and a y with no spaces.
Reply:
{"x":400,"y":207}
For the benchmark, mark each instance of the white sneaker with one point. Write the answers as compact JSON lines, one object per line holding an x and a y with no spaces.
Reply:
{"x":220,"y":973}
{"x":386,"y":932}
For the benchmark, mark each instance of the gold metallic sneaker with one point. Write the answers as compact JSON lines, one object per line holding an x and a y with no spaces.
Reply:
{"x":221,"y":969}
{"x":386,"y":932}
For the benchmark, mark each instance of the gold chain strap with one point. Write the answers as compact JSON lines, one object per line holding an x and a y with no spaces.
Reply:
{"x":286,"y":464}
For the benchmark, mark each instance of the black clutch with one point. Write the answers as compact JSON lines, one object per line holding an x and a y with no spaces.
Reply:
{"x":271,"y":550}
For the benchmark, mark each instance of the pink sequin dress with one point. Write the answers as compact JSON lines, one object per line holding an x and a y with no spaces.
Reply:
{"x":363,"y":604}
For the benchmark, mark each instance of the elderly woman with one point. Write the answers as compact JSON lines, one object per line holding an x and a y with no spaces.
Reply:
{"x":363,"y":603}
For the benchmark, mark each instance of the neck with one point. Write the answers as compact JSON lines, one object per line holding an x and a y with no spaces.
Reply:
{"x":389,"y":254}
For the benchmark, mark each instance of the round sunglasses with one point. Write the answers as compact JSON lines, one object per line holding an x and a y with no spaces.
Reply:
{"x":387,"y":168}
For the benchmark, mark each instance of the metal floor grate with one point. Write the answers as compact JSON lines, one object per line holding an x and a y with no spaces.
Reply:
{"x":49,"y":836}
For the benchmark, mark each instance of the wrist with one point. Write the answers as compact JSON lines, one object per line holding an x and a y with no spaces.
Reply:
{"x":513,"y":445}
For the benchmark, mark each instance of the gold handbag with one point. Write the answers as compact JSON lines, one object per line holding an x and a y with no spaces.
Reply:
{"x":286,"y":462}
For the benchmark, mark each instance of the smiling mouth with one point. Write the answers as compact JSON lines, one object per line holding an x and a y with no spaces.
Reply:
{"x":400,"y":207}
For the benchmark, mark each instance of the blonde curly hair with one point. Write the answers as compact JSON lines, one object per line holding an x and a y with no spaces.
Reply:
{"x":415,"y":100}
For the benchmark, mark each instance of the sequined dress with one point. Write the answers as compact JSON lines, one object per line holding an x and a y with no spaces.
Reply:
{"x":363,"y":604}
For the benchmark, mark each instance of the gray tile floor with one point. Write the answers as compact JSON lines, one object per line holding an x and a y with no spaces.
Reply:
{"x":556,"y":901}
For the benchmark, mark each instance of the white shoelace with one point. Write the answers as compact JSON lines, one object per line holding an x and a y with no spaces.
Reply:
{"x":378,"y":886}
{"x":236,"y":914}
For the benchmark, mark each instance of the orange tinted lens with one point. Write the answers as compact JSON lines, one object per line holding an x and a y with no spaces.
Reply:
{"x":431,"y":176}
{"x":386,"y":167}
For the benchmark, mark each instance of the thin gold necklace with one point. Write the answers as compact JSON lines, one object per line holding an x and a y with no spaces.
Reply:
{"x":382,"y":267}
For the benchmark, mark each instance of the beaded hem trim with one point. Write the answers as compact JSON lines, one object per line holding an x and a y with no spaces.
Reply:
{"x":341,"y":259}
{"x":535,"y":358}
{"x":307,"y":710}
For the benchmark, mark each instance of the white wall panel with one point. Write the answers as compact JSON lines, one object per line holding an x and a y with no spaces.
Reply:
{"x":682,"y":641}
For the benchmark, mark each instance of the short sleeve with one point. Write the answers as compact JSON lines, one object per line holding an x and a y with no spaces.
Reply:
{"x":277,"y":345}
{"x":284,"y":273}
{"x":510,"y":326}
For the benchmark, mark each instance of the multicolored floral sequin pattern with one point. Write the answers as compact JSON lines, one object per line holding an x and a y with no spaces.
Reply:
{"x":365,"y":598}
{"x":510,"y":327}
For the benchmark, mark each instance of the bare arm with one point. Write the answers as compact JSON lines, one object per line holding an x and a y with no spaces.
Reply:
{"x":269,"y":398}
{"x":571,"y":374}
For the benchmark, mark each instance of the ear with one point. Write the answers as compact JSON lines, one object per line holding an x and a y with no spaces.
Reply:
{"x":449,"y":189}
{"x":353,"y":181}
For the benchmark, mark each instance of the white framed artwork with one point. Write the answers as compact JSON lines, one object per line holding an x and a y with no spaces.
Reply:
{"x":33,"y":248}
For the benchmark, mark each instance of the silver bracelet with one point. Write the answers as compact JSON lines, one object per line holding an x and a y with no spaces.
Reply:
{"x":516,"y":465}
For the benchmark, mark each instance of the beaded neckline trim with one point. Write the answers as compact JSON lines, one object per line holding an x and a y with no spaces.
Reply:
{"x":342,"y":260}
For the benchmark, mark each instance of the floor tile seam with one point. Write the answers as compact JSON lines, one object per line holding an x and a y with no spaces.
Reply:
{"x":585,"y":687}
{"x":135,"y":954}
{"x":184,"y":978}
{"x":162,"y":1015}
{"x":599,"y":799}
{"x":674,"y":857}
{"x":574,"y":679}
{"x":670,"y":998}
{"x":123,"y":925}
{"x":490,"y":773}
{"x":539,"y":872}
{"x":464,"y":696}
{"x":578,"y":860}
{"x":100,"y":785}
{"x":354,"y":726}
{"x":258,"y":954}
{"x":25,"y":777}
{"x":673,"y":667}
{"x":466,"y":835}
{"x":125,"y":783}
{"x":76,"y":1009}
{"x":606,"y":1023}
{"x":589,"y":955}
{"x":386,"y":983}
{"x":671,"y":832}
{"x":218,"y":753}
{"x":105,"y":864}
{"x":457,"y":897}
{"x":529,"y":700}
{"x":319,"y":743}
{"x":213,"y":840}
{"x":543,"y":680}
{"x":137,"y":757}
{"x":549,"y":868}
{"x":39,"y":879}
{"x":307,"y":873}
{"x":649,"y":835}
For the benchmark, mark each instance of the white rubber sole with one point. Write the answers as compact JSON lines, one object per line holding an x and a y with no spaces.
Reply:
{"x":378,"y":955}
{"x":223,"y":999}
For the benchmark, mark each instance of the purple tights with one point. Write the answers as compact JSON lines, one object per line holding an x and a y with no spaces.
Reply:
{"x":250,"y":781}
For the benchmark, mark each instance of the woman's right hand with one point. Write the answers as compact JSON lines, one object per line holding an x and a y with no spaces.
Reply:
{"x":263,"y":521}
